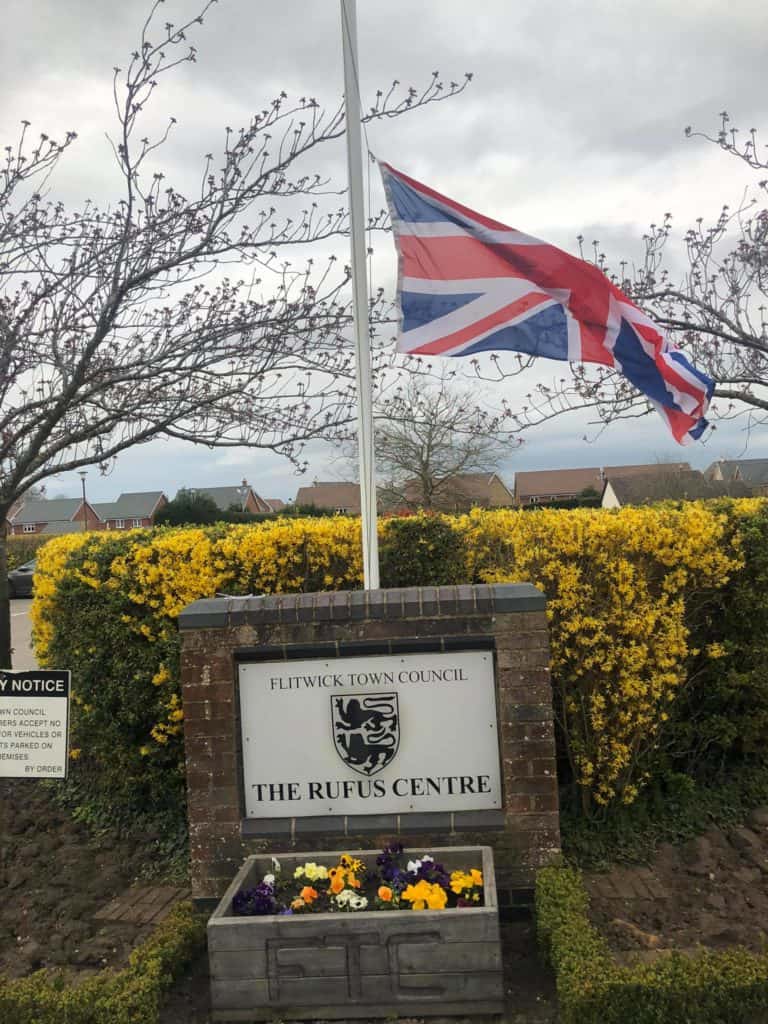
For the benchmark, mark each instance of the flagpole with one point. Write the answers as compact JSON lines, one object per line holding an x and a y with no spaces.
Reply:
{"x":360,"y":297}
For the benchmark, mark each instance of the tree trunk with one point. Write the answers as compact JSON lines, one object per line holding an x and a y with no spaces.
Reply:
{"x":5,"y":603}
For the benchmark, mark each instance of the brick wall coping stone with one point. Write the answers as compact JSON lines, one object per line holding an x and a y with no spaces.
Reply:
{"x":397,"y":603}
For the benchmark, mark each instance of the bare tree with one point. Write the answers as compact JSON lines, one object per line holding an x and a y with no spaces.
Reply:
{"x":428,"y":435}
{"x":720,"y":309}
{"x":120,"y":324}
{"x":716,"y":309}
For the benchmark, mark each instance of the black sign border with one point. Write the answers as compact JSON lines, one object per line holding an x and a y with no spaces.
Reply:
{"x":42,"y":673}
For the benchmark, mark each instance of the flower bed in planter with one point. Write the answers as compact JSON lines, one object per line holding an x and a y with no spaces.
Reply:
{"x":355,"y":963}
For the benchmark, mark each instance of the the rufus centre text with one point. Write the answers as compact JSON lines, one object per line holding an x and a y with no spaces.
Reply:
{"x":366,"y":789}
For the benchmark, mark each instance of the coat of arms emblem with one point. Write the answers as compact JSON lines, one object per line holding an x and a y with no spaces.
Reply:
{"x":366,"y":731}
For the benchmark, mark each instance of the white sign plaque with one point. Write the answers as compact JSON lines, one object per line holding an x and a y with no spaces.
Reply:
{"x":370,"y":734}
{"x":34,"y":724}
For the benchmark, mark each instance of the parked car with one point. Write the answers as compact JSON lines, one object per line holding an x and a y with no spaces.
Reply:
{"x":20,"y":580}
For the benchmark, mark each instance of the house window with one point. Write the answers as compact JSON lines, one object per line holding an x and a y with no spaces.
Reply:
{"x":137,"y":522}
{"x":30,"y":528}
{"x":341,"y":511}
{"x":119,"y":524}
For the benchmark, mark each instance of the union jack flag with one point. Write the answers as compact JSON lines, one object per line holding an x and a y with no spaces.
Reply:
{"x":469,"y":284}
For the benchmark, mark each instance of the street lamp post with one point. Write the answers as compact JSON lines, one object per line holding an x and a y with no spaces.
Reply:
{"x":83,"y":474}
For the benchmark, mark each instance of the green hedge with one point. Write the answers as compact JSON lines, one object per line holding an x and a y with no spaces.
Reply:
{"x":422,"y":551}
{"x":721,"y":716}
{"x":710,"y":988}
{"x":130,"y":996}
{"x":23,"y":549}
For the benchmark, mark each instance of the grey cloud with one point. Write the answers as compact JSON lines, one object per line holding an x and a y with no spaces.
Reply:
{"x":574,"y":121}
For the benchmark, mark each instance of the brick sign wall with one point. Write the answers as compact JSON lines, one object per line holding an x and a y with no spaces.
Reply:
{"x":508,"y":622}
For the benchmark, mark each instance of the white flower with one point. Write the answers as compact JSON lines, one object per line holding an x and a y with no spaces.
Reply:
{"x":276,"y":865}
{"x":414,"y":865}
{"x":344,"y":897}
{"x":349,"y":898}
{"x":269,"y":879}
{"x":427,"y":860}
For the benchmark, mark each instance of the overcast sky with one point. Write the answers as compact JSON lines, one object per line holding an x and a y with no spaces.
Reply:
{"x":573,"y":124}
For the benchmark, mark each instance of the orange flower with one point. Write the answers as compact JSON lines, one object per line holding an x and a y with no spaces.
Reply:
{"x":385,"y":893}
{"x":298,"y":903}
{"x":337,"y":883}
{"x":308,"y":894}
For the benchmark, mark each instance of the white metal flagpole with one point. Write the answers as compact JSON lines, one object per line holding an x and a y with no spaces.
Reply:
{"x":360,"y":298}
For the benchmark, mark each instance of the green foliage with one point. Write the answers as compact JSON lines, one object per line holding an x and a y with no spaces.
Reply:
{"x":721,"y":717}
{"x":710,"y":988}
{"x":130,"y":996}
{"x":23,"y":549}
{"x":308,"y":510}
{"x":190,"y":508}
{"x":672,"y":810}
{"x":422,"y":551}
{"x":289,"y":512}
{"x":161,"y":835}
{"x":588,"y":498}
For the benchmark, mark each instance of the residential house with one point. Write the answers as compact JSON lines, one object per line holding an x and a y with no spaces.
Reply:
{"x":537,"y":487}
{"x":8,"y":526}
{"x":460,"y":492}
{"x":65,"y":515}
{"x":57,"y":515}
{"x":243,"y":498}
{"x":752,"y":472}
{"x":132,"y":509}
{"x":663,"y":485}
{"x":275,"y":504}
{"x":343,"y":498}
{"x":647,"y":467}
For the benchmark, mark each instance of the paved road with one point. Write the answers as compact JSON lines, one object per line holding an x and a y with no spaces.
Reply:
{"x":21,"y":629}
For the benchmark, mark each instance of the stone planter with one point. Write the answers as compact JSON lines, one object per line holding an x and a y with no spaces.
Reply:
{"x":366,"y":964}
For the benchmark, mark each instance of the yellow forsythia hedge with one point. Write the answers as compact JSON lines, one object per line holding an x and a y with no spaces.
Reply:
{"x":617,"y":585}
{"x":621,"y":588}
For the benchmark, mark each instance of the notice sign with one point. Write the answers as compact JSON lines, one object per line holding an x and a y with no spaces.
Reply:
{"x":34,"y":724}
{"x":370,"y":735}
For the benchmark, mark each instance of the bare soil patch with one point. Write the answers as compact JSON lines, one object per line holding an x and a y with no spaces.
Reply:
{"x":711,"y":891}
{"x":54,"y":879}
